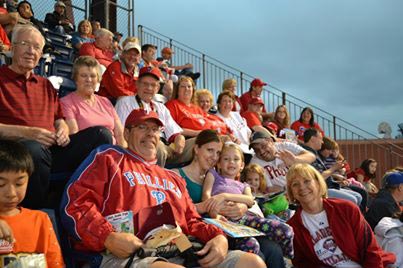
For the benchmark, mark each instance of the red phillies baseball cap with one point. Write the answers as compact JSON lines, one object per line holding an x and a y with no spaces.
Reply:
{"x":257,"y":82}
{"x":149,"y":218}
{"x":139,"y":116}
{"x":256,"y":100}
{"x":152,"y":71}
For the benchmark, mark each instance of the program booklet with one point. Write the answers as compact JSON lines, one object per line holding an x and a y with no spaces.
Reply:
{"x":122,"y":222}
{"x":234,"y":229}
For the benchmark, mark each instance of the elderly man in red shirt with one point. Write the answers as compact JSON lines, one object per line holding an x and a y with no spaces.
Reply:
{"x":30,"y":112}
{"x":101,"y":48}
{"x":120,"y":77}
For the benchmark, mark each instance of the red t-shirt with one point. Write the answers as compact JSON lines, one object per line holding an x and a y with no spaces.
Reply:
{"x":299,"y":127}
{"x":190,"y":117}
{"x":358,"y":171}
{"x":104,"y":57}
{"x":117,"y":82}
{"x":3,"y":36}
{"x":252,"y":119}
{"x":28,"y":102}
{"x":219,"y":124}
{"x":244,"y":101}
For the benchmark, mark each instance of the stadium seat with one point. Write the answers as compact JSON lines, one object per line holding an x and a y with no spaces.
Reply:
{"x":62,"y":51}
{"x":60,"y":67}
{"x":72,"y":257}
{"x":57,"y":37}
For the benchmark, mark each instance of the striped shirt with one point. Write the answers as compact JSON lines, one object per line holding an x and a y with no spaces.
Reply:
{"x":28,"y":102}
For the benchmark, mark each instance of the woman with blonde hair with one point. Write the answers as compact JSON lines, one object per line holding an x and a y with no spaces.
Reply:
{"x":230,"y":85}
{"x":130,"y":39}
{"x":83,"y":35}
{"x":329,"y":232}
{"x":204,"y":99}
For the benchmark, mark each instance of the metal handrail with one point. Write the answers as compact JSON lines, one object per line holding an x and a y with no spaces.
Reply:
{"x":279,"y":97}
{"x":333,"y":126}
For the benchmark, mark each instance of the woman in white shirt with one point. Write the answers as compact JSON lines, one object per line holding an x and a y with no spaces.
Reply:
{"x":234,"y":120}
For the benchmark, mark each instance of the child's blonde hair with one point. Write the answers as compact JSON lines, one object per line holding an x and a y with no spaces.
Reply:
{"x":255,"y":168}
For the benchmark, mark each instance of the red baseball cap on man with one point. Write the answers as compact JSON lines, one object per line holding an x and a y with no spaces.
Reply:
{"x":167,"y":50}
{"x":151,"y":71}
{"x":257,"y":82}
{"x":138,"y":116}
{"x":256,"y":100}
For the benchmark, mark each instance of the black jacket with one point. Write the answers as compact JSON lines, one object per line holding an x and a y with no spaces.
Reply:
{"x":54,"y":19}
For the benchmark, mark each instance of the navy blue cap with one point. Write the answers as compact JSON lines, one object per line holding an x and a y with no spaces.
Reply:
{"x":394,"y":178}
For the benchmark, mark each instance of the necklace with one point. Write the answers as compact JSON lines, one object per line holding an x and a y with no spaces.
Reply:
{"x":202,"y":176}
{"x":191,"y":173}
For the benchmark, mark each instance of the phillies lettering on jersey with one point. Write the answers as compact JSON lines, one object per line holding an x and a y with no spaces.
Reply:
{"x":141,"y":179}
{"x":159,"y":196}
{"x":275,"y":172}
{"x":112,"y":180}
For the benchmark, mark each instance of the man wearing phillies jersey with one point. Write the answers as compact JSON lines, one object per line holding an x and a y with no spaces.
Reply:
{"x":276,"y":158}
{"x":113,"y":180}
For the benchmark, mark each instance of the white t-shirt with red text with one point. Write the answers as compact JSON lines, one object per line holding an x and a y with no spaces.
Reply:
{"x":275,"y":171}
{"x":324,"y":245}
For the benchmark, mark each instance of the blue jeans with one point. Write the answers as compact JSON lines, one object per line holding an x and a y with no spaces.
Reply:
{"x":59,"y":159}
{"x":271,"y":253}
{"x":346,"y":195}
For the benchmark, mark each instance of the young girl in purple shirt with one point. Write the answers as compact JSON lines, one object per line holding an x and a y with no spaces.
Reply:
{"x":225,"y":183}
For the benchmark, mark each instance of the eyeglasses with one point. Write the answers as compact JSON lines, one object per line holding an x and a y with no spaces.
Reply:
{"x":145,"y":128}
{"x":27,"y":45}
{"x":150,"y":85}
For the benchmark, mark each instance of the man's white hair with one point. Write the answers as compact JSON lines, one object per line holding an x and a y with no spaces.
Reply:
{"x":21,"y":29}
{"x":103,"y":32}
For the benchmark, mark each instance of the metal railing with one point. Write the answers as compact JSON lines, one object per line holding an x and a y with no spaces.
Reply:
{"x":214,"y":72}
{"x":80,"y":10}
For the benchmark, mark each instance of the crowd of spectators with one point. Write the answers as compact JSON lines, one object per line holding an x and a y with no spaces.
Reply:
{"x":113,"y":147}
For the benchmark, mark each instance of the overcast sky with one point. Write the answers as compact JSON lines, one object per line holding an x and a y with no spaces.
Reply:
{"x":344,"y":56}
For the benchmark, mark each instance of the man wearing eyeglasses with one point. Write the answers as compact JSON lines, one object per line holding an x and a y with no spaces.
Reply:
{"x":148,"y":83}
{"x":113,"y":180}
{"x":30,"y":112}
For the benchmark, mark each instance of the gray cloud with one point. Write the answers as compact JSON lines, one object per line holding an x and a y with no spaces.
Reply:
{"x":344,"y":56}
